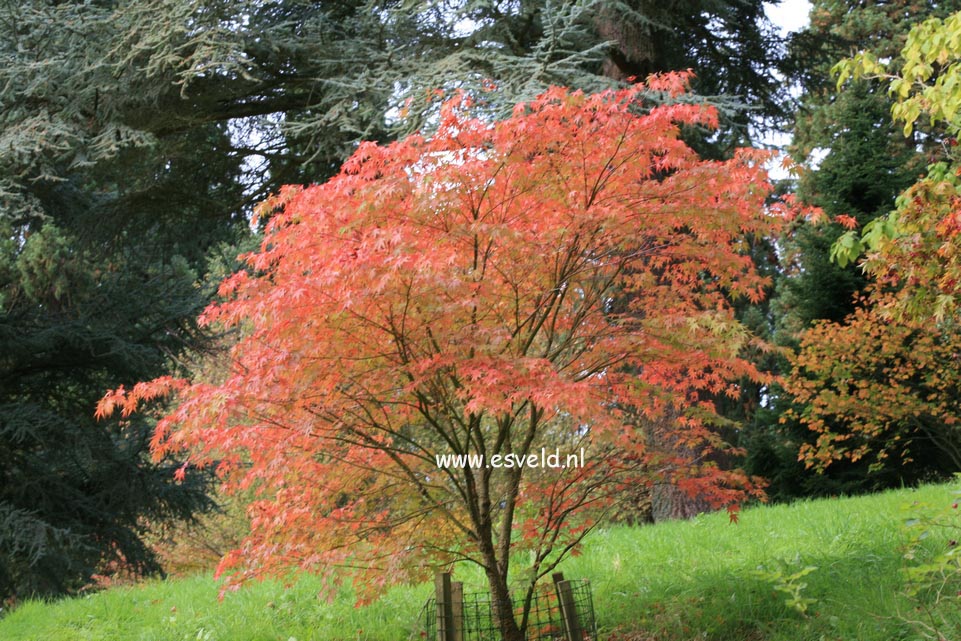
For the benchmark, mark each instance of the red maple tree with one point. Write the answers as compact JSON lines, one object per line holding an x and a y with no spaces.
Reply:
{"x":558,"y":280}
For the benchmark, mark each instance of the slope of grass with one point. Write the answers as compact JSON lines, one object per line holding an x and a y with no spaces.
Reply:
{"x":828,"y":569}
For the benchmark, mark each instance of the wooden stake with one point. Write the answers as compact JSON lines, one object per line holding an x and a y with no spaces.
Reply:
{"x":565,"y":596}
{"x":445,"y":611}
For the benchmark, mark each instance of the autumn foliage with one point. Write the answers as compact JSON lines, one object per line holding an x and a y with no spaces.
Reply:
{"x":560,"y":279}
{"x":914,"y":250}
{"x":880,"y":387}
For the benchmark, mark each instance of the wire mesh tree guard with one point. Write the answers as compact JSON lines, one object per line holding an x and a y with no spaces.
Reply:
{"x":560,"y":611}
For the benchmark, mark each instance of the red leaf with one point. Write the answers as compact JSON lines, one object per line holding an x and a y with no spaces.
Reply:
{"x":733,"y":511}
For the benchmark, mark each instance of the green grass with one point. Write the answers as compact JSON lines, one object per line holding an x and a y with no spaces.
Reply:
{"x":702,"y":579}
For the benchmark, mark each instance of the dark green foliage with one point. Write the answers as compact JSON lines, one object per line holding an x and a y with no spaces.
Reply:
{"x":107,"y":226}
{"x":867,"y":164}
{"x":301,"y":82}
{"x":76,"y":495}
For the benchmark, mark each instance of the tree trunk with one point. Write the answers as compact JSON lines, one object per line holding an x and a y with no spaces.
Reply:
{"x":503,"y":607}
{"x":668,"y":502}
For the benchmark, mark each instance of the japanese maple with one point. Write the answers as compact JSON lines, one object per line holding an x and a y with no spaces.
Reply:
{"x":879,"y":386}
{"x":560,"y":279}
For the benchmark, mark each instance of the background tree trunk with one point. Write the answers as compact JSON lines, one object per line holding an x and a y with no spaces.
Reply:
{"x":669,"y":502}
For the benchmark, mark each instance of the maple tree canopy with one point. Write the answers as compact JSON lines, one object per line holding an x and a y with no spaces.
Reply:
{"x":879,"y":387}
{"x":561,"y":279}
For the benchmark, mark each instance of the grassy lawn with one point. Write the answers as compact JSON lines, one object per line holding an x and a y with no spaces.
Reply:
{"x":702,"y":579}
